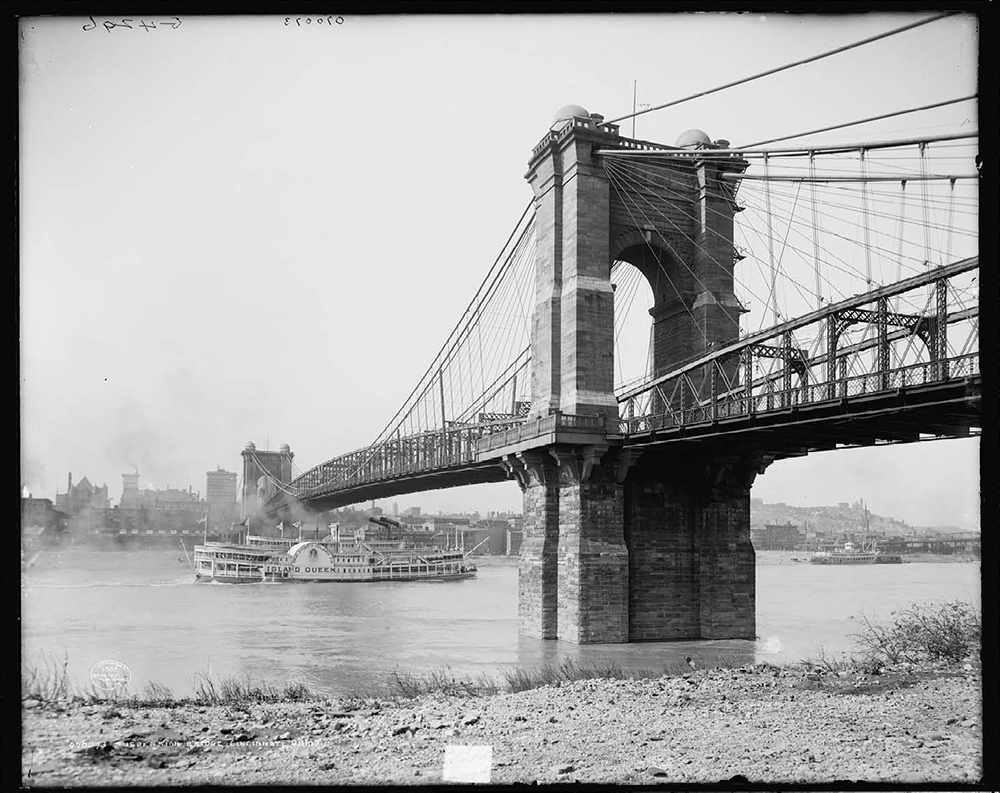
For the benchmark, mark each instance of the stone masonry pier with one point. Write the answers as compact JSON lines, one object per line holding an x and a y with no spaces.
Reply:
{"x":620,"y":546}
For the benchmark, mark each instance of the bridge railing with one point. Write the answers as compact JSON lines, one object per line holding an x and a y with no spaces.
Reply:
{"x":547,"y":425}
{"x":741,"y":405}
{"x":466,"y":444}
{"x":530,"y":428}
{"x":402,"y":456}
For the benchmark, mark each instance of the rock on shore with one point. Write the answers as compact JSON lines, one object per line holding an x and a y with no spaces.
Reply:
{"x":762,"y":723}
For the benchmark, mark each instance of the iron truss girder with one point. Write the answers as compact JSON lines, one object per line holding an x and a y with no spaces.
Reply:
{"x":759,"y":384}
{"x":940,"y":409}
{"x":938,"y":274}
{"x":796,"y":358}
{"x":850,"y":316}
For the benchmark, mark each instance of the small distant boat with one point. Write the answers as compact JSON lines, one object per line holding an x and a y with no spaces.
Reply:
{"x":847,"y":555}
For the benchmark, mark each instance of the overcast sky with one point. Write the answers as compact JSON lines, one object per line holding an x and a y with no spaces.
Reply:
{"x":242,"y":229}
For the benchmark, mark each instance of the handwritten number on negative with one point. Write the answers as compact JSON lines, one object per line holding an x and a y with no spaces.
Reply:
{"x":110,"y":24}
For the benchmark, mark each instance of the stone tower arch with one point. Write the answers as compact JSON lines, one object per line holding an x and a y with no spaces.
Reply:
{"x":673,"y":221}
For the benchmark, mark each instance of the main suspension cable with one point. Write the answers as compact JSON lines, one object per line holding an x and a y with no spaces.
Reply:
{"x":787,"y":66}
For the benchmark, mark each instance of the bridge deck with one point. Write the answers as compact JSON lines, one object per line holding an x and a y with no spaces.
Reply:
{"x":779,"y":424}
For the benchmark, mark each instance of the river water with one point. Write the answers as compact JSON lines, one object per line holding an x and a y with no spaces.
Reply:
{"x":141,"y":608}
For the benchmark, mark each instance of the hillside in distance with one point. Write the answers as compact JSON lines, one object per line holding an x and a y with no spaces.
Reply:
{"x":840,"y":518}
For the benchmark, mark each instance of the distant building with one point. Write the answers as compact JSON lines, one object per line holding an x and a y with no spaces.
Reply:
{"x":82,"y":496}
{"x":220,"y":494}
{"x":165,"y":515}
{"x":220,"y":487}
{"x":132,"y":497}
{"x":777,"y":537}
{"x":40,"y":521}
{"x":170,"y":499}
{"x":475,"y":541}
{"x":497,"y":531}
{"x":436,"y":522}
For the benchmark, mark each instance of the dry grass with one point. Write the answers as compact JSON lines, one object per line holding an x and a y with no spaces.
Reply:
{"x":48,"y":682}
{"x":408,"y":685}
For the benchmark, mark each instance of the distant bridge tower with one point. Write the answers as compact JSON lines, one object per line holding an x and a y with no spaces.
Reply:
{"x":620,"y":545}
{"x":260,"y":470}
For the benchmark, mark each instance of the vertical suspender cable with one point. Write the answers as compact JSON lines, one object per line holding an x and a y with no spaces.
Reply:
{"x":815,"y":229}
{"x":926,"y":214}
{"x":864,"y":218}
{"x":441,"y":385}
{"x":951,"y":216}
{"x":650,"y":356}
{"x":816,"y":259}
{"x":482,"y":364}
{"x":902,"y":224}
{"x":770,"y":243}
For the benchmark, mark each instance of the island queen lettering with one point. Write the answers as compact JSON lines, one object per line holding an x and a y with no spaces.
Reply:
{"x":110,"y":676}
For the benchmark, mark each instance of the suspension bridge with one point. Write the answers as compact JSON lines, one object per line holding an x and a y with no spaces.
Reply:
{"x":799,"y":299}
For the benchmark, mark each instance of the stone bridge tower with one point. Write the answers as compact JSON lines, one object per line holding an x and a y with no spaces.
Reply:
{"x":261,"y":469}
{"x":620,"y":545}
{"x":683,"y":246}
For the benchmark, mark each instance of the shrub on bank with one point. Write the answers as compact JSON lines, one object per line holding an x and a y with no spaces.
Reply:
{"x":47,"y":681}
{"x":924,"y":631}
{"x":243,"y":691}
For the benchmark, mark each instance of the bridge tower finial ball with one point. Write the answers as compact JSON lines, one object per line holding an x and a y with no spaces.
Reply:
{"x":692,"y":139}
{"x":567,"y":112}
{"x":250,"y":447}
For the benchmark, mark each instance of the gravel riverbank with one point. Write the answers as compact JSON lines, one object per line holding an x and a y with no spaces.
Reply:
{"x":762,"y":723}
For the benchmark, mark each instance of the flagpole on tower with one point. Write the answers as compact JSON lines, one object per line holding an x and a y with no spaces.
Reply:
{"x":634,"y":83}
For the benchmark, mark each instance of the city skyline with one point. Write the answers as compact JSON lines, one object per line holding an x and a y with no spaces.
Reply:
{"x":234,"y":231}
{"x":411,"y":507}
